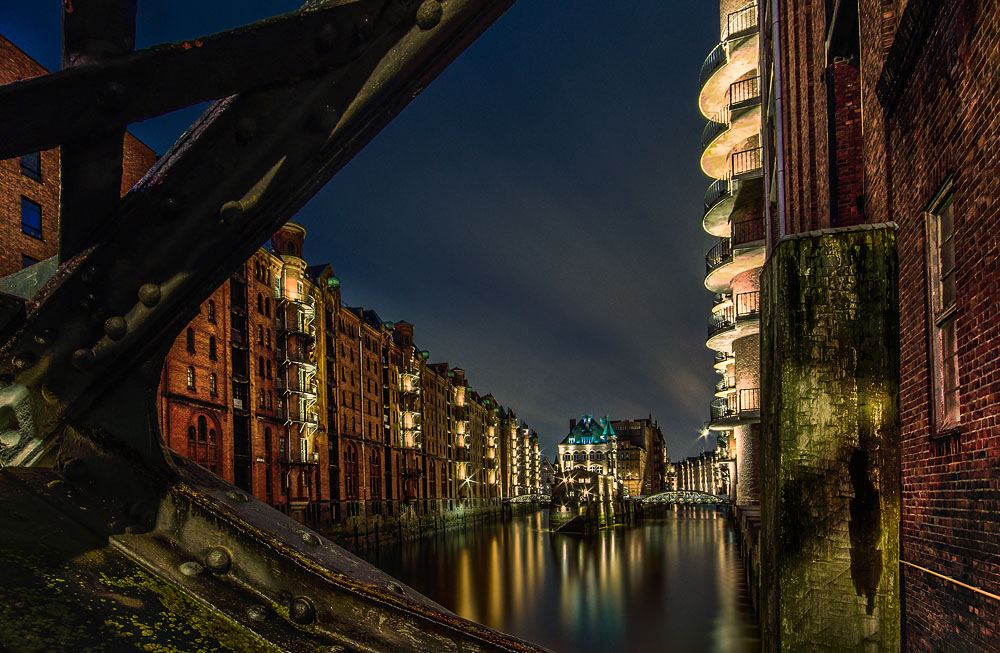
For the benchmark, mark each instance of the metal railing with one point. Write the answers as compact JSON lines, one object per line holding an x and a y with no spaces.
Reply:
{"x":719,"y":255}
{"x":740,"y":22}
{"x":744,"y":403}
{"x":748,"y":304}
{"x":719,"y":322}
{"x":717,"y":191}
{"x":744,"y":91}
{"x":717,"y":125}
{"x":719,"y":298}
{"x":745,"y":162}
{"x":725,"y":384}
{"x":715,"y":60}
{"x":748,"y":231}
{"x":722,"y":357}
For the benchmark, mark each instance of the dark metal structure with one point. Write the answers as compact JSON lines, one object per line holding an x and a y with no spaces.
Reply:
{"x":104,"y":532}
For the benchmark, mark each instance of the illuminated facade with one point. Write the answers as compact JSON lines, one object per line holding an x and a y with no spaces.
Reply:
{"x":730,"y":98}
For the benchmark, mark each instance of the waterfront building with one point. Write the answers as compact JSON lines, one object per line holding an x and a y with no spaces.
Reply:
{"x":730,"y":98}
{"x":642,"y":456}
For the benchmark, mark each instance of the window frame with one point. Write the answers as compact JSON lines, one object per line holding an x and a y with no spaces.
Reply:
{"x":942,"y":313}
{"x":28,"y":171}
{"x":31,"y":230}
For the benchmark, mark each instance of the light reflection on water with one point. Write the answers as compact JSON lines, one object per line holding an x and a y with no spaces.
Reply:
{"x":674,"y":583}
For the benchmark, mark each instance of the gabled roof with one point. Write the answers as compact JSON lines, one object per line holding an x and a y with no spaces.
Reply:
{"x":590,"y":431}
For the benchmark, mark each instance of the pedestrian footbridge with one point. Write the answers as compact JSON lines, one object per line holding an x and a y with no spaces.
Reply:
{"x":686,"y":497}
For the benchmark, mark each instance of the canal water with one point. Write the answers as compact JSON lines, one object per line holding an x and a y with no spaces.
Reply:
{"x":674,"y":583}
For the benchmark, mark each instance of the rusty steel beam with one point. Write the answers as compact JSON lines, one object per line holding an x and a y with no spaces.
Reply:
{"x":79,"y":375}
{"x":94,"y":32}
{"x":147,"y":83}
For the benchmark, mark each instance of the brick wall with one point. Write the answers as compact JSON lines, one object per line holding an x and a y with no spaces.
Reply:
{"x":844,"y":77}
{"x":945,"y":125}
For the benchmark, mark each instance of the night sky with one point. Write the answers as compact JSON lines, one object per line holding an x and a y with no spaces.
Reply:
{"x":535,"y":212}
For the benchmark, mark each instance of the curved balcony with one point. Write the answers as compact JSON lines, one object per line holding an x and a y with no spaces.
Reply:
{"x":732,"y":256}
{"x":721,"y":302}
{"x":294,"y":387}
{"x":304,"y":302}
{"x":741,"y":407}
{"x":738,"y":120}
{"x":722,"y":361}
{"x":725,"y":387}
{"x":732,"y":58}
{"x":734,"y":323}
{"x":298,"y":357}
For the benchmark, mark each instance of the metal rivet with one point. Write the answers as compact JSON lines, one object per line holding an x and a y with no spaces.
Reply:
{"x":257,"y":612}
{"x":115,"y":327}
{"x":45,"y":336}
{"x":309,"y":538}
{"x":327,"y":38}
{"x":394,"y":587}
{"x":191,"y":569}
{"x":149,"y":294}
{"x":302,"y":611}
{"x":112,"y":96}
{"x":24,"y":360}
{"x":83,"y":359}
{"x":74,"y":470}
{"x":365,"y":27}
{"x":237,"y":497}
{"x":246,"y":129}
{"x":324,"y":119}
{"x":230,"y":212}
{"x":218,"y":560}
{"x":429,"y":14}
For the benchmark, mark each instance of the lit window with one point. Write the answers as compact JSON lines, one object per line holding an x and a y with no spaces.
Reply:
{"x":941,"y":279}
{"x":190,"y":378}
{"x":211,"y":311}
{"x":31,"y":165}
{"x":211,"y":384}
{"x":31,"y":218}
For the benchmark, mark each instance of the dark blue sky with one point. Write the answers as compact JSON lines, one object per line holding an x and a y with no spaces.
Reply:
{"x":536,"y":212}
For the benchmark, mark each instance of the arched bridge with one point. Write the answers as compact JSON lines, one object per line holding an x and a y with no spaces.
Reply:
{"x":686,"y":497}
{"x":529,"y":498}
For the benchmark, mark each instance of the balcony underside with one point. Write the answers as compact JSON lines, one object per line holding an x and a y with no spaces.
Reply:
{"x":716,"y":221}
{"x":741,"y":419}
{"x":743,"y":124}
{"x":723,"y":341}
{"x":743,"y":57}
{"x":746,"y":257}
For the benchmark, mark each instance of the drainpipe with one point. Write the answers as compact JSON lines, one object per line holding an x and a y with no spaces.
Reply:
{"x":779,"y":145}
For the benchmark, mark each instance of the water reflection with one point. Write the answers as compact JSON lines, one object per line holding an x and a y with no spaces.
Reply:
{"x":674,"y":583}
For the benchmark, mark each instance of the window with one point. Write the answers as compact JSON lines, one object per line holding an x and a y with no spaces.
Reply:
{"x":211,"y":385}
{"x":268,"y":367}
{"x":202,"y":429}
{"x":27,"y":261}
{"x":260,"y":303}
{"x":268,"y":340}
{"x":941,"y":281}
{"x":190,"y":378}
{"x":270,"y":400}
{"x":211,"y":347}
{"x":31,"y":218}
{"x":211,"y":311}
{"x":190,"y":340}
{"x":31,"y":165}
{"x":267,"y":307}
{"x":260,"y":334}
{"x":260,"y":366}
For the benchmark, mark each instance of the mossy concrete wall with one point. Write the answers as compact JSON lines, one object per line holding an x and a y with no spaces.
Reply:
{"x":830,"y":491}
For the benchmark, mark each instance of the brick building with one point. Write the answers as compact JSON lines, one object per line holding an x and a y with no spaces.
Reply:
{"x":631,"y":454}
{"x":29,"y":184}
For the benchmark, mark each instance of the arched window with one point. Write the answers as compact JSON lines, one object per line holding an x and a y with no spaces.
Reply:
{"x":260,"y":334}
{"x":211,"y":436}
{"x":267,"y":306}
{"x":191,"y":434}
{"x":374,"y":475}
{"x":211,"y":347}
{"x":268,"y":341}
{"x":202,"y":447}
{"x":260,"y":398}
{"x":270,"y":400}
{"x":267,"y":363}
{"x":211,"y":311}
{"x":190,"y":378}
{"x":202,"y":429}
{"x":260,"y":303}
{"x":211,"y":384}
{"x":190,"y":340}
{"x":260,"y":366}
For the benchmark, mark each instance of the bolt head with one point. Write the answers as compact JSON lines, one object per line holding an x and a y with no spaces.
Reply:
{"x":25,"y":359}
{"x":230,"y":213}
{"x":218,"y":560}
{"x":257,"y":612}
{"x":302,"y":611}
{"x":112,"y":96}
{"x":83,"y":359}
{"x":237,"y":496}
{"x":310,"y":538}
{"x":115,"y":327}
{"x":429,"y":14}
{"x":149,"y":294}
{"x":191,"y":569}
